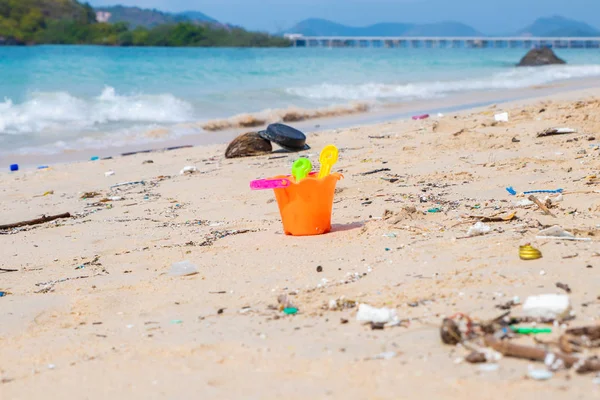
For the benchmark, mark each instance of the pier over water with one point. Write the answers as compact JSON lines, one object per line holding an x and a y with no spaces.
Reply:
{"x":445,"y":42}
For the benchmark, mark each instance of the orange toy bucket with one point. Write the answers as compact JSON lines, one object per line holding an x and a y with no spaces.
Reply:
{"x":306,"y":206}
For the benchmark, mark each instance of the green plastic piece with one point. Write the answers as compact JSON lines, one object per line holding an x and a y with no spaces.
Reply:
{"x":301,"y":168}
{"x":530,"y":331}
{"x":290,"y":310}
{"x":434,"y":210}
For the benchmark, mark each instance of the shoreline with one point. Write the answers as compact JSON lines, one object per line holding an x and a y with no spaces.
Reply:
{"x":463,"y":102}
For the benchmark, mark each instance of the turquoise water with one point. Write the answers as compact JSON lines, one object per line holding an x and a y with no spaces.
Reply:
{"x":58,"y":98}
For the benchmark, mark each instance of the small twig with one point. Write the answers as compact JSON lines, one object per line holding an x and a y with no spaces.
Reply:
{"x":8,"y":270}
{"x":35,"y":221}
{"x":375,"y":171}
{"x":541,"y":205}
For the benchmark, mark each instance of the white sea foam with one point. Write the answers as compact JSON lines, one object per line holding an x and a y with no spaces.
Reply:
{"x":514,"y":79}
{"x":59,"y":111}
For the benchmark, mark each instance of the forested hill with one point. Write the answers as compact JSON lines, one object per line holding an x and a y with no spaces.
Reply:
{"x":71,"y":22}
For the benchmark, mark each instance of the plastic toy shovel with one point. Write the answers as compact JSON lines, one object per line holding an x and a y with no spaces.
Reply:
{"x":329,"y":156}
{"x":264,"y":184}
{"x":301,"y":169}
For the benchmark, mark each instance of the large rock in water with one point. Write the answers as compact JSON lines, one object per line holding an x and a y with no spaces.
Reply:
{"x":248,"y":144}
{"x":539,"y":57}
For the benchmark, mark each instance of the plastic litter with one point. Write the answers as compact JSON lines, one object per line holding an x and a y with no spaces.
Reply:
{"x":513,"y":192}
{"x":419,"y":117}
{"x":539,"y":374}
{"x":190,"y":169}
{"x":387,"y":355}
{"x":488,"y":367}
{"x":547,"y":306}
{"x":556,"y":232}
{"x":556,"y":131}
{"x":109,"y":173}
{"x":530,"y":331}
{"x":290,"y":310}
{"x":14,"y":167}
{"x":528,"y":252}
{"x":43,"y":167}
{"x":94,"y":158}
{"x":434,"y":210}
{"x":183,"y":268}
{"x":478,"y":229}
{"x":502,"y":117}
{"x":384,"y":315}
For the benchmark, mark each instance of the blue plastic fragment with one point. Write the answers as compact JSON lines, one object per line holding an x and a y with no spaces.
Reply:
{"x":513,"y":192}
{"x":14,"y":167}
{"x":94,"y":158}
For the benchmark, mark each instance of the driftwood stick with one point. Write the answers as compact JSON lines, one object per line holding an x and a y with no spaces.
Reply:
{"x":541,"y":205}
{"x":582,"y":365}
{"x":35,"y":221}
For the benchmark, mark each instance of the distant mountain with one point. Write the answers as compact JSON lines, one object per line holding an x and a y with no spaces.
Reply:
{"x":559,"y":26}
{"x":136,"y":16}
{"x":322,"y":27}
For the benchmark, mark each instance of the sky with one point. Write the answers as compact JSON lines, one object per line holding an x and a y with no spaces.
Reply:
{"x":487,"y":16}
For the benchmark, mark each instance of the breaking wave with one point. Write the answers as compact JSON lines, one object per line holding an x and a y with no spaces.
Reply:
{"x":514,"y":79}
{"x":60,"y":111}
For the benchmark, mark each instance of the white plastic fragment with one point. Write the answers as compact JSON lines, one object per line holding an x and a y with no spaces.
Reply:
{"x":547,"y":306}
{"x":183,"y":268}
{"x":478,"y":229}
{"x":488,"y":367}
{"x":556,"y":232}
{"x":523,"y":203}
{"x":384,"y":315}
{"x":539,"y":374}
{"x":109,"y":173}
{"x":388,"y":355}
{"x":190,"y":169}
{"x":502,"y":117}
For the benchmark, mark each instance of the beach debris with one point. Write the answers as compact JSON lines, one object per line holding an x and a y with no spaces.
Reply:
{"x":94,"y":158}
{"x":286,"y":137}
{"x":375,"y":171}
{"x":147,"y":162}
{"x":495,"y":218}
{"x":290,"y":310}
{"x":387,"y":355}
{"x":367,"y":313}
{"x":13,"y":167}
{"x":89,"y":195}
{"x":128,"y":184}
{"x":563,"y":286}
{"x":247,"y":145}
{"x":513,"y":192}
{"x":478,"y":229}
{"x":556,"y":131}
{"x":557,"y":233}
{"x":539,"y":374}
{"x":49,"y":286}
{"x":3,"y":293}
{"x":4,"y":270}
{"x":341,"y":303}
{"x":434,"y":210}
{"x":285,"y":303}
{"x":547,"y":306}
{"x":190,"y":169}
{"x":109,"y":173}
{"x":48,"y":193}
{"x":37,"y":221}
{"x":527,"y":252}
{"x":183,"y":268}
{"x":541,"y":205}
{"x":501,"y":117}
{"x":509,"y":304}
{"x":529,"y":330}
{"x":420,"y":117}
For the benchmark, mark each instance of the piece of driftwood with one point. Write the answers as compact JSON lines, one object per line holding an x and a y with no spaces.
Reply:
{"x":45,"y":218}
{"x":541,"y":205}
{"x":556,"y":131}
{"x":506,"y":348}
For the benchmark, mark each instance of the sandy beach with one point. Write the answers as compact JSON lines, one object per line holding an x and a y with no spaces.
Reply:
{"x":92,"y":312}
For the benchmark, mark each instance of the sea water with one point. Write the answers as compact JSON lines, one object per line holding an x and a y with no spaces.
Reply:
{"x":62,"y":98}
